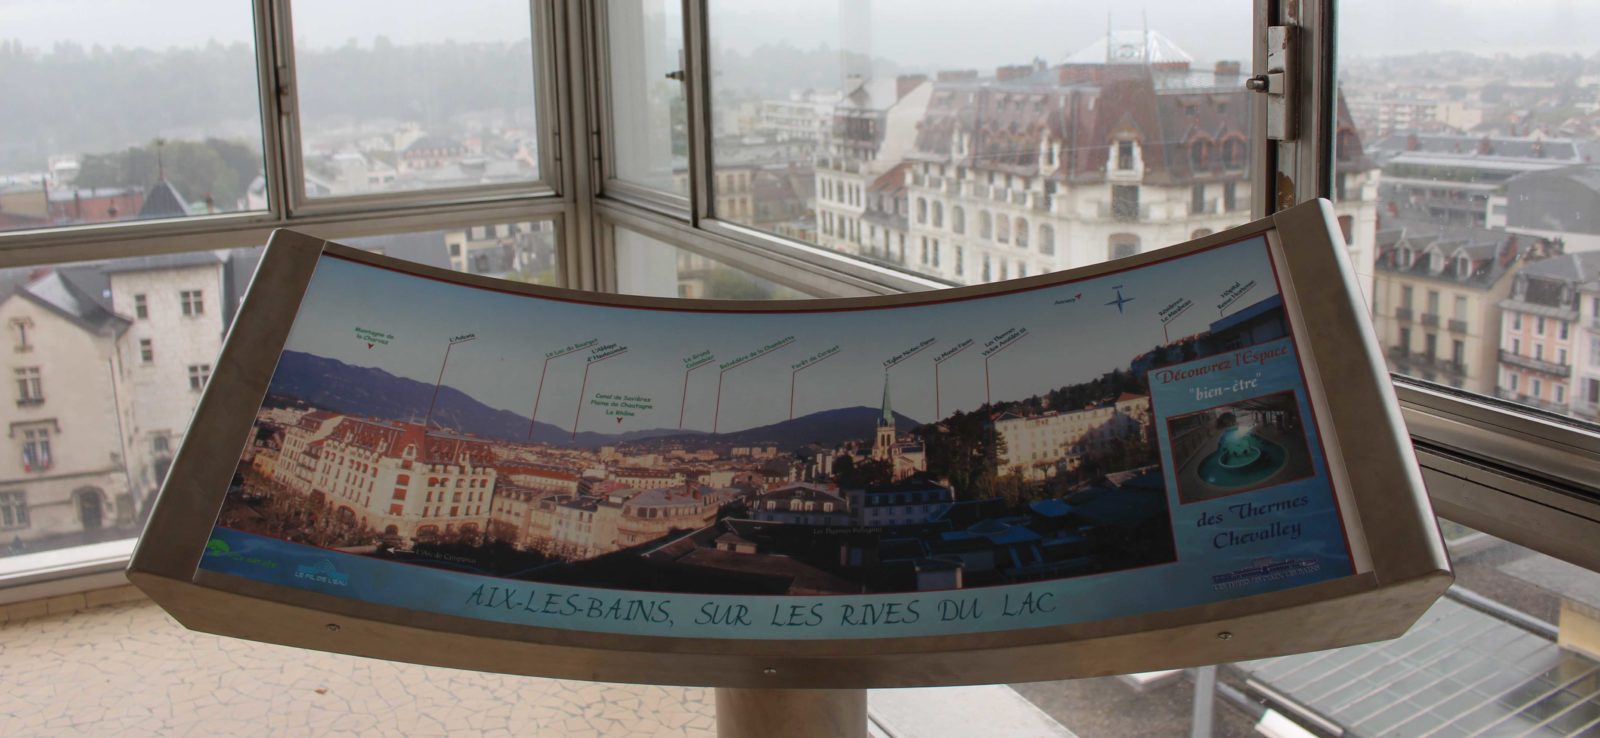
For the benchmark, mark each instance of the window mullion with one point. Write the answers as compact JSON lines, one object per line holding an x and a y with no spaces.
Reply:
{"x":280,"y":119}
{"x":697,"y":99}
{"x":268,"y":86}
{"x":580,"y":85}
{"x":548,"y":35}
{"x":1301,"y":169}
{"x":1263,"y":153}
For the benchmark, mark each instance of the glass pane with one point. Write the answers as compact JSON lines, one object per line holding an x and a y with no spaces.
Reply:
{"x":523,"y":252}
{"x":1467,"y":160}
{"x":649,"y":121}
{"x":900,"y":133}
{"x":649,"y":267}
{"x":1511,"y":650}
{"x":415,"y":95}
{"x":127,"y":111}
{"x":104,"y":362}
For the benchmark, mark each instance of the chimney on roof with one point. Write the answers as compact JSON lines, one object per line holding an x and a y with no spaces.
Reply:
{"x":956,"y":75}
{"x":905,"y":83}
{"x":1226,"y":69}
{"x":1015,"y":71}
{"x":1508,"y":252}
{"x":1067,"y":74}
{"x":1413,"y":143}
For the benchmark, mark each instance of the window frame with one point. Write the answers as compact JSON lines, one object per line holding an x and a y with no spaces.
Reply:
{"x":668,"y":203}
{"x":285,"y":90}
{"x":30,"y":385}
{"x":37,"y":455}
{"x":1523,"y":461}
{"x":548,"y":198}
{"x":14,"y":508}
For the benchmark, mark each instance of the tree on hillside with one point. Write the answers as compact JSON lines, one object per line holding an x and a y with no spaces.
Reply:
{"x":221,"y":170}
{"x":962,"y":449}
{"x":859,"y":474}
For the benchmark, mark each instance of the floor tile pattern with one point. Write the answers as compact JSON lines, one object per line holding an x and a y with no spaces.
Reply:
{"x":129,"y":670}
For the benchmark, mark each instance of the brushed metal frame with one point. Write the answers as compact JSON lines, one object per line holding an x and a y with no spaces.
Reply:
{"x":1408,"y":568}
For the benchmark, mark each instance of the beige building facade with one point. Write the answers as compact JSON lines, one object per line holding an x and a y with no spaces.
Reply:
{"x":1436,"y":301}
{"x":62,"y":469}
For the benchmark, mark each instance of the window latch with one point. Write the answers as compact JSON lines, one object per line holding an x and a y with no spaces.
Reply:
{"x":1277,"y":83}
{"x":675,"y":75}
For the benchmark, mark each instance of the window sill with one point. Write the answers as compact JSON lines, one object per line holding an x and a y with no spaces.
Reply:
{"x":69,"y":603}
{"x":66,"y":571}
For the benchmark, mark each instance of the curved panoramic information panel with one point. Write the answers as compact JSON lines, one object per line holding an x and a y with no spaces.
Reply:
{"x":1187,"y":456}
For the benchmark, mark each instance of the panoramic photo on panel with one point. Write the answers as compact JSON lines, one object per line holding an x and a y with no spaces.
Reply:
{"x":965,"y":444}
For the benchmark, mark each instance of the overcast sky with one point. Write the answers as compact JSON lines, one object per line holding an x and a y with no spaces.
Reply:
{"x":913,"y":33}
{"x":503,"y":365}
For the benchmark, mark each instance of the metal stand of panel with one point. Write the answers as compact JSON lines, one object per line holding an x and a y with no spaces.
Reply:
{"x":791,"y":713}
{"x":1267,"y":500}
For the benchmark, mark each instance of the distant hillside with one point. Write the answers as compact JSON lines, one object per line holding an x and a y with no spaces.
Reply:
{"x":828,"y":429}
{"x":334,"y":385}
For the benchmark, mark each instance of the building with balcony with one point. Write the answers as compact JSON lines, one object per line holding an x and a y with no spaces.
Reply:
{"x":616,"y":517}
{"x":871,"y":133}
{"x":1384,"y":114}
{"x":507,"y":250}
{"x":1586,"y":370}
{"x":654,"y":513}
{"x":802,"y":117}
{"x":801,"y":503}
{"x":390,"y":477}
{"x":1436,"y":299}
{"x":1540,"y":332}
{"x":129,"y":343}
{"x":1449,"y":179}
{"x":1552,"y":204}
{"x":1036,"y":447}
{"x":906,"y":502}
{"x":1038,"y":168}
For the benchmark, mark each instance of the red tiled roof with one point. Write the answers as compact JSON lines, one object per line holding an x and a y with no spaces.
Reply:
{"x":390,"y":439}
{"x":534,"y":471}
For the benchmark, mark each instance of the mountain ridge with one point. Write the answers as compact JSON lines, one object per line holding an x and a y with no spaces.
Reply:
{"x":337,"y":386}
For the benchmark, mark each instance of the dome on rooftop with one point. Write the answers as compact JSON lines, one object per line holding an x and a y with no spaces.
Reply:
{"x":1131,"y":47}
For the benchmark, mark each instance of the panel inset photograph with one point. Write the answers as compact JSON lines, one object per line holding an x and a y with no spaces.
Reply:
{"x":1239,"y":447}
{"x":937,"y":447}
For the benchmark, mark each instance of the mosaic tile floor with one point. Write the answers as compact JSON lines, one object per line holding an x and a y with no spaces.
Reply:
{"x":129,"y":670}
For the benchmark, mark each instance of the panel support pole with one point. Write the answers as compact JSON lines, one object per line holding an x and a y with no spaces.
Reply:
{"x":1205,"y":701}
{"x":791,"y":713}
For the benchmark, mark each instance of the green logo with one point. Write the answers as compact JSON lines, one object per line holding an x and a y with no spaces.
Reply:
{"x":219,"y":548}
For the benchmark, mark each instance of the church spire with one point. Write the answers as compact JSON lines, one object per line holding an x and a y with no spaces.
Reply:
{"x":883,"y":445}
{"x":887,"y":419}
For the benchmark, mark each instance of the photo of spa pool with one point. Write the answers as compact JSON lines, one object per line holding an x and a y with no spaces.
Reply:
{"x":1238,"y":447}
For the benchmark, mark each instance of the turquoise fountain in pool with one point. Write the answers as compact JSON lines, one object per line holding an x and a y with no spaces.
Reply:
{"x":1241,"y":458}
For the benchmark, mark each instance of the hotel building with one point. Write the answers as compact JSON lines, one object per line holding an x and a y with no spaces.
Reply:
{"x":390,"y":476}
{"x":1038,"y":446}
